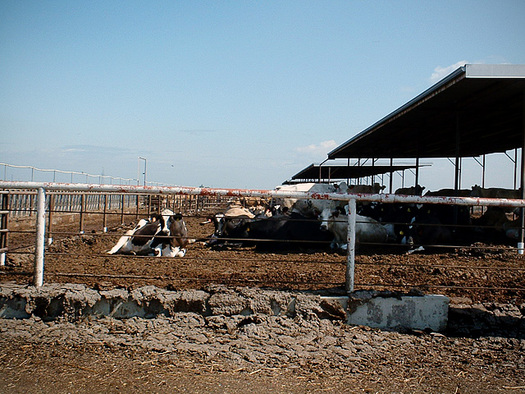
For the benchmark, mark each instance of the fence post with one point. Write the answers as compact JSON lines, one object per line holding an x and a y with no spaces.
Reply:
{"x":4,"y":219}
{"x":122,"y":202}
{"x":38,"y":279}
{"x":51,"y":208}
{"x":350,"y":265}
{"x":82,"y":210}
{"x":104,"y":220}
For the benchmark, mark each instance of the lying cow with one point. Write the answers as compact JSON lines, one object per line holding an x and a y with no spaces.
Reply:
{"x":144,"y":238}
{"x":229,"y":225}
{"x":178,"y":238}
{"x":285,"y":232}
{"x":280,"y":231}
{"x":367,"y":230}
{"x":152,"y":237}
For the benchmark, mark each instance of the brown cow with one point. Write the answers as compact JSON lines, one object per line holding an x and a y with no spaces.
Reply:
{"x":376,"y":188}
{"x":411,"y":191}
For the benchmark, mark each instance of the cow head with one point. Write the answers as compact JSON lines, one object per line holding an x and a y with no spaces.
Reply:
{"x":219,"y":221}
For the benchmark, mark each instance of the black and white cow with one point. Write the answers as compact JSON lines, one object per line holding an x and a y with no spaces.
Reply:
{"x":178,"y":237}
{"x":152,"y":237}
{"x":143,"y":238}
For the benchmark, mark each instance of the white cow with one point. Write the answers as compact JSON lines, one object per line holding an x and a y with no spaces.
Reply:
{"x":367,"y":229}
{"x":310,"y":207}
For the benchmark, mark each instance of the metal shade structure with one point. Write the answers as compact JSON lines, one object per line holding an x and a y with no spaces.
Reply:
{"x":478,"y":109}
{"x":333,"y":172}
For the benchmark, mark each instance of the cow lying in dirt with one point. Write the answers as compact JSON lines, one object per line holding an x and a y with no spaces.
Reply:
{"x":161,"y":235}
{"x":367,"y":230}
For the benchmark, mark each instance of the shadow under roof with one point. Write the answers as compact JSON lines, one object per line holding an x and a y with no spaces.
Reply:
{"x":478,"y":109}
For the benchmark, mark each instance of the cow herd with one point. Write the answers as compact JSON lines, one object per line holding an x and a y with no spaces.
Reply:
{"x":323,"y":225}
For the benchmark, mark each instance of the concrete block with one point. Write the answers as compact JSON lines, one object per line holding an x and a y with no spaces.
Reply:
{"x":400,"y":313}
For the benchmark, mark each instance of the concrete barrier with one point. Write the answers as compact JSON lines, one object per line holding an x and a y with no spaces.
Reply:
{"x":74,"y":301}
{"x":398,"y":312}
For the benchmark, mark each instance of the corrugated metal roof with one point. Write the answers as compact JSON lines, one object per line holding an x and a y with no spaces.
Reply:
{"x":477,"y":109}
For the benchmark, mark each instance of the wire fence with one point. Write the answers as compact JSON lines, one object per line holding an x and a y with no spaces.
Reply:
{"x":11,"y":172}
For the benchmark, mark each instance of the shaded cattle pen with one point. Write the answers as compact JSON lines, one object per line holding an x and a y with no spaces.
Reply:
{"x":78,"y":253}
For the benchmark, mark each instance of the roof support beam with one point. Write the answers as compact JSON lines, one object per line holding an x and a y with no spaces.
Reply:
{"x":457,"y":172}
{"x":522,"y":232}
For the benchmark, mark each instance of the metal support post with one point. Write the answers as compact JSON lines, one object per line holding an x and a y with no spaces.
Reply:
{"x":38,"y":279}
{"x":521,"y":243}
{"x":350,"y":265}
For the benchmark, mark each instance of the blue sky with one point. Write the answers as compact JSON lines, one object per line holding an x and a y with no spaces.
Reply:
{"x":232,"y":94}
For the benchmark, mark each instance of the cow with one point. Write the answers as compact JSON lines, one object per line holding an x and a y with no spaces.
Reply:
{"x":280,"y":231}
{"x":494,"y":225}
{"x":411,"y":191}
{"x":435,"y":225}
{"x":178,"y":237}
{"x":367,"y":230}
{"x":449,"y":193}
{"x":395,"y":218}
{"x":143,"y":238}
{"x":310,"y":208}
{"x":495,"y":192}
{"x":427,"y":228}
{"x":293,"y":231}
{"x":229,"y":225}
{"x":162,"y":234}
{"x":376,"y":188}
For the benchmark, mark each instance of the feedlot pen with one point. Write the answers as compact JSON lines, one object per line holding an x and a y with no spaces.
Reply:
{"x":78,"y":236}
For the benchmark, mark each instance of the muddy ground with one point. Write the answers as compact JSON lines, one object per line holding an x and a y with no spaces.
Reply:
{"x":194,"y":353}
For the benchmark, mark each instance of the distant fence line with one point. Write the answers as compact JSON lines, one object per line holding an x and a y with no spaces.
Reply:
{"x":22,"y":203}
{"x":29,"y":173}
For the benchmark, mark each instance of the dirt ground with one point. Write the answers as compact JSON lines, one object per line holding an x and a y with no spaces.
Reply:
{"x":193,"y":353}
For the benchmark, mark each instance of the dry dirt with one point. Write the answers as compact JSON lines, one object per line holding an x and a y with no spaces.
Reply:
{"x":194,"y":353}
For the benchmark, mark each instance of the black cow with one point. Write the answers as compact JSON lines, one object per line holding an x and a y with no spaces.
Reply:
{"x":276,"y":232}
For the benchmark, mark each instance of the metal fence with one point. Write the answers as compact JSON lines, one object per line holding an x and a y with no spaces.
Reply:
{"x":132,"y":200}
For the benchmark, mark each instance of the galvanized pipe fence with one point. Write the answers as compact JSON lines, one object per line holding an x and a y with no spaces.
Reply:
{"x":41,"y":190}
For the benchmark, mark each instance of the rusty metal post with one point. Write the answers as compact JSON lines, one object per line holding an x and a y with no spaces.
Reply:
{"x":38,"y":278}
{"x":350,"y":264}
{"x":122,"y":202}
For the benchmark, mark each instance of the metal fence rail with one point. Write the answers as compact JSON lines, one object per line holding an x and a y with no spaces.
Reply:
{"x":196,"y":198}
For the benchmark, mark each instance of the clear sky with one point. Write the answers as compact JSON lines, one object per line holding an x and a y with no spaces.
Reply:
{"x":229,"y":94}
